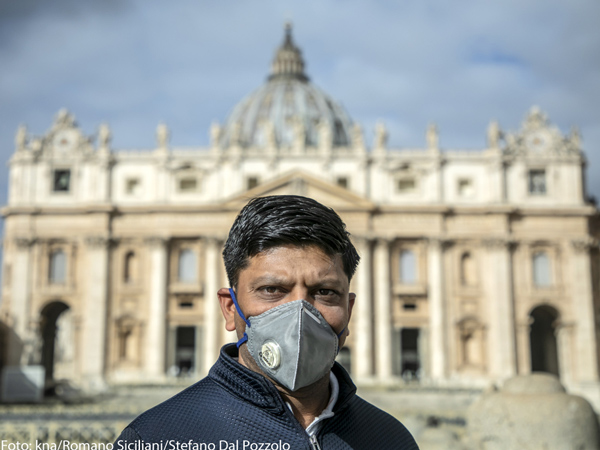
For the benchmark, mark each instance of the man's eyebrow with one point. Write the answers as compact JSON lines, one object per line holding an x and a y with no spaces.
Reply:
{"x":328,"y":282}
{"x":269,"y":279}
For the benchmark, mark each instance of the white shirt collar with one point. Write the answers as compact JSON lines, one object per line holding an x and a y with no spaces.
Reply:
{"x":327,"y":413}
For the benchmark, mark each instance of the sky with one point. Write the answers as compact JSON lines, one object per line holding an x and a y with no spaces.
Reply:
{"x":135,"y":63}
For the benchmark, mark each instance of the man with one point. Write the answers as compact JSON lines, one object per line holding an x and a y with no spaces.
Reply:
{"x":289,"y":261}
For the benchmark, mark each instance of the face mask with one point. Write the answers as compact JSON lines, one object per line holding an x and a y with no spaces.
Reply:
{"x":291,"y":343}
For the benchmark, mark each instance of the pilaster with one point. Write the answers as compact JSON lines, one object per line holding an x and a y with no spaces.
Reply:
{"x":363,"y":313}
{"x":437,"y":325}
{"x":211,"y":304}
{"x":93,"y":358}
{"x":383,"y":311}
{"x":586,"y":367}
{"x":155,"y":335}
{"x":21,"y":342}
{"x":502,"y":361}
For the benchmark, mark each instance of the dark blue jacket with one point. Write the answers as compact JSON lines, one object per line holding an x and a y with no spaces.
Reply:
{"x":234,"y":408}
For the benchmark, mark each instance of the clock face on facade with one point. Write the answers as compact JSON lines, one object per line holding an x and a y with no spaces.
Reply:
{"x":538,"y":141}
{"x":65,"y":140}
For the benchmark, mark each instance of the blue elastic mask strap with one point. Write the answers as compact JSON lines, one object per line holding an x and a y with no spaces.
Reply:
{"x":339,"y":336}
{"x":239,"y":310}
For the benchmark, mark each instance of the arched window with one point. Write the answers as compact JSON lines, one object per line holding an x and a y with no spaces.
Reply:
{"x":541,"y":269}
{"x":408,"y":267}
{"x":468,"y":273}
{"x":57,"y":271}
{"x":542,"y":340}
{"x":130,"y":267}
{"x":186,"y":271}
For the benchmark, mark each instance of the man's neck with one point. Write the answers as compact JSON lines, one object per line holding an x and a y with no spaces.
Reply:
{"x":307,"y":403}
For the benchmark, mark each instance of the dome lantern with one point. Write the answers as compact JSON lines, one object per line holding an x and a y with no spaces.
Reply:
{"x":288,"y":62}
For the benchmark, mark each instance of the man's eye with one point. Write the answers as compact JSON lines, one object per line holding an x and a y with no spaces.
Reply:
{"x":326,"y":292}
{"x":271,"y":290}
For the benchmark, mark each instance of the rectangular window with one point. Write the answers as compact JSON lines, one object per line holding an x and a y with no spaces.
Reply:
{"x":465,"y":188}
{"x":537,"y":182}
{"x":188,"y":184}
{"x":251,"y":182}
{"x":405,"y":185}
{"x":62,"y":180}
{"x":57,"y":270}
{"x":342,"y":182}
{"x":187,"y":266}
{"x":133,"y":186}
{"x":541,"y":270}
{"x":408,"y":267}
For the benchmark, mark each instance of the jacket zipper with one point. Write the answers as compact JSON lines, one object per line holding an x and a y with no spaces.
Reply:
{"x":314,"y":442}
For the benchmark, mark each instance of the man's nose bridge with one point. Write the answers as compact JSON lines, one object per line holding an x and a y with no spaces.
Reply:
{"x":300,"y":293}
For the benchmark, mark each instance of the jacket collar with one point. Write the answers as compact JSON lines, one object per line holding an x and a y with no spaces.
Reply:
{"x":256,"y":389}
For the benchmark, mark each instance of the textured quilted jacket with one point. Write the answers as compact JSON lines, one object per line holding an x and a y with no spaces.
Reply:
{"x":234,"y":408}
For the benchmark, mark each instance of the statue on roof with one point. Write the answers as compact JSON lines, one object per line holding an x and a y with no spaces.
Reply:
{"x":21,"y":138}
{"x":493,"y":134}
{"x":432,"y":136}
{"x":162,"y":135}
{"x":215,"y":134}
{"x":64,"y":119}
{"x":104,"y":136}
{"x":381,"y":136}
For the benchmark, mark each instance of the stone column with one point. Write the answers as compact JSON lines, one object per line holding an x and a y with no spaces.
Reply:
{"x":21,"y":342}
{"x":362,"y":360}
{"x":586,"y":368}
{"x":93,"y":356}
{"x":502,"y":361}
{"x":566,"y":358}
{"x":156,"y":328}
{"x":437,"y":326}
{"x":383,"y":311}
{"x":211,"y":303}
{"x":523,"y":346}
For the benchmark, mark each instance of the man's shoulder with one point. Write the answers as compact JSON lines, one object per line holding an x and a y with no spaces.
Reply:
{"x":364,"y":423}
{"x":194,"y":402}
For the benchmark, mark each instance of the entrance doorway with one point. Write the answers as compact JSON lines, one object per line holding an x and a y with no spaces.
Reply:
{"x":185,"y":350}
{"x":48,"y":326}
{"x":542,"y":338}
{"x":411,"y":363}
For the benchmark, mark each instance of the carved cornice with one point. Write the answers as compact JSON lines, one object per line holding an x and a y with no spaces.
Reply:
{"x":98,"y":241}
{"x":584,"y":244}
{"x":23,"y":243}
{"x":438,"y":242}
{"x":214,"y":240}
{"x":156,"y":241}
{"x":499,"y":243}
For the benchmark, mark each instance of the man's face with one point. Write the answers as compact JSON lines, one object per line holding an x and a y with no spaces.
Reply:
{"x":287,"y":273}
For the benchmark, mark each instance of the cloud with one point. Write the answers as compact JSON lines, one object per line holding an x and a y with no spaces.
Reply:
{"x":188,"y":63}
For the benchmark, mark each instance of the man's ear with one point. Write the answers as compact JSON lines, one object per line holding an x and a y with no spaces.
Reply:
{"x":351,"y":300}
{"x":227,"y":308}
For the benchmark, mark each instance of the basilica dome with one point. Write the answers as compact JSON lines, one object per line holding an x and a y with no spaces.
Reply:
{"x":287,"y":109}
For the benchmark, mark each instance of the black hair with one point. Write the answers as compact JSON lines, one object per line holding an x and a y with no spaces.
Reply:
{"x":267,"y":222}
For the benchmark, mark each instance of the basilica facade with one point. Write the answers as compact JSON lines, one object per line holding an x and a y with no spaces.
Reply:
{"x":475,"y":265}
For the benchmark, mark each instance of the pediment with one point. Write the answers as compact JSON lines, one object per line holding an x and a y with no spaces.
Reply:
{"x":539,"y":138}
{"x":299,"y":182}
